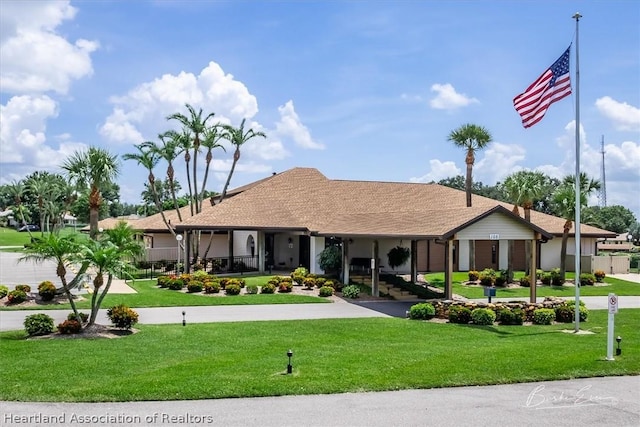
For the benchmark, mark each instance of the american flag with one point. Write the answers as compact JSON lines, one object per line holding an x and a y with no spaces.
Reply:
{"x":553,"y":85}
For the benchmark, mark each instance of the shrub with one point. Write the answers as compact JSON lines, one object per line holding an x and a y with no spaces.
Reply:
{"x":584,"y":312}
{"x":200,"y":274}
{"x":351,"y":291}
{"x":24,"y":288}
{"x":310,"y":282}
{"x":543,"y":316}
{"x":194,"y":286}
{"x":564,"y":314}
{"x":599,"y":275}
{"x":487,"y":277}
{"x":423,"y":310}
{"x":176,"y":283}
{"x":38,"y":324}
{"x":320,"y":281}
{"x":211,"y":287}
{"x":325,"y":291}
{"x":268,"y":288}
{"x":3,"y":291}
{"x":525,"y":282}
{"x":234,"y":282}
{"x":122,"y":316}
{"x":587,"y":279}
{"x":546,"y":279}
{"x":163,"y":281}
{"x":483,"y":316}
{"x":501,"y":279}
{"x":285,"y":287}
{"x":252,"y":289}
{"x":232,"y":289}
{"x":556,"y":280}
{"x":459,"y":314}
{"x":330,"y":259}
{"x":83,"y":316}
{"x":511,"y":316}
{"x":473,"y":276}
{"x":16,"y":296}
{"x":539,"y":274}
{"x":69,"y":327}
{"x":300,"y":271}
{"x":47,"y":290}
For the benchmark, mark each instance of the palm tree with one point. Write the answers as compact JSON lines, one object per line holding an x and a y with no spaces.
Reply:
{"x":472,"y":138}
{"x":237,"y":137}
{"x":109,"y":256}
{"x":196,"y":126}
{"x":565,"y":200}
{"x":210,"y":141}
{"x":522,"y":188}
{"x":62,"y":250}
{"x":95,"y":168}
{"x":17,"y":191}
{"x":169,"y":152}
{"x":40,"y":187}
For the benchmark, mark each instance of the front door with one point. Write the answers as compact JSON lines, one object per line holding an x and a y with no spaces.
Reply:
{"x":304,"y":255}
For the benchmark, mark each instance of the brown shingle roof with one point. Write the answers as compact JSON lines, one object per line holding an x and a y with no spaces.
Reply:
{"x":305,"y":200}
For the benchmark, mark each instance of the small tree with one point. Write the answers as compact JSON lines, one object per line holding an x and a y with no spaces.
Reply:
{"x":330,"y":259}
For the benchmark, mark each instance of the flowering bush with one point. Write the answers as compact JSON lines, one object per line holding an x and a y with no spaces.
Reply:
{"x":46,"y":290}
{"x":599,"y":274}
{"x":122,"y":316}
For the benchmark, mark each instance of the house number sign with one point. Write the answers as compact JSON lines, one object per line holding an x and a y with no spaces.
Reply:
{"x":494,"y":237}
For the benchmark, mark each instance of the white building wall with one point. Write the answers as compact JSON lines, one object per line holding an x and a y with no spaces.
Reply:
{"x":463,"y":255}
{"x":495,"y":227}
{"x":550,"y":251}
{"x":241,"y":242}
{"x":315,"y":247}
{"x":503,"y":255}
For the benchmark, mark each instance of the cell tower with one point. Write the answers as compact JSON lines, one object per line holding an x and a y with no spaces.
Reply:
{"x":602,"y":195}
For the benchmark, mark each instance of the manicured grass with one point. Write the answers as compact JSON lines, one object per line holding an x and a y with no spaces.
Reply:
{"x":617,"y":286}
{"x":149,"y":295}
{"x":163,"y":362}
{"x":12,"y":237}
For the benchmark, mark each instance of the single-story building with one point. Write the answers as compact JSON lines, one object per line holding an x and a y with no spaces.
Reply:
{"x":291,"y":217}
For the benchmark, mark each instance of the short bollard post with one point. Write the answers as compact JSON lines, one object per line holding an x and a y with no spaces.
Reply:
{"x":184,"y":320}
{"x":289,"y":367}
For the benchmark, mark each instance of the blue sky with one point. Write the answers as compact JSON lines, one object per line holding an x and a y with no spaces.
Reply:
{"x":365,"y":90}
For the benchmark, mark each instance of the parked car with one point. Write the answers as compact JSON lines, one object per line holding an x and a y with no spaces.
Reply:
{"x":29,"y":227}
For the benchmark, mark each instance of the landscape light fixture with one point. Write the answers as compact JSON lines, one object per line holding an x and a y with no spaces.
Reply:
{"x":289,"y":367}
{"x":184,"y":320}
{"x":618,"y":350}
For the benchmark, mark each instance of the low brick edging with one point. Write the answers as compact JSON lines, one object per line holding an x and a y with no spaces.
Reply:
{"x":442,"y":306}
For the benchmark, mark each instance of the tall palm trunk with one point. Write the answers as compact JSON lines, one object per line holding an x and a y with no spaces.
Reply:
{"x":172,"y":188}
{"x":94,"y":212}
{"x":469,"y":160}
{"x":196,"y":148}
{"x":236,"y":157}
{"x":187,"y":159}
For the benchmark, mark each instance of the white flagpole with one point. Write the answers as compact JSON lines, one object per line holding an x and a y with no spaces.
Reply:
{"x":576,"y":221}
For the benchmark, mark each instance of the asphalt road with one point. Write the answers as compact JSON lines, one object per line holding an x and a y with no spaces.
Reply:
{"x":610,"y":401}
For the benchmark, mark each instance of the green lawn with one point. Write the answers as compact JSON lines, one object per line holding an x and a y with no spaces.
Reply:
{"x":149,"y":295}
{"x":201,"y":361}
{"x":12,"y":237}
{"x":617,"y":286}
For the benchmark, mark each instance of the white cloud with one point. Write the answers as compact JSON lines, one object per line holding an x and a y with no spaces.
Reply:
{"x":624,"y":116}
{"x":448,"y":99}
{"x":142,"y":112}
{"x":499,"y":160}
{"x":438,"y":170}
{"x":31,"y":50}
{"x":23,"y":133}
{"x":291,"y":126}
